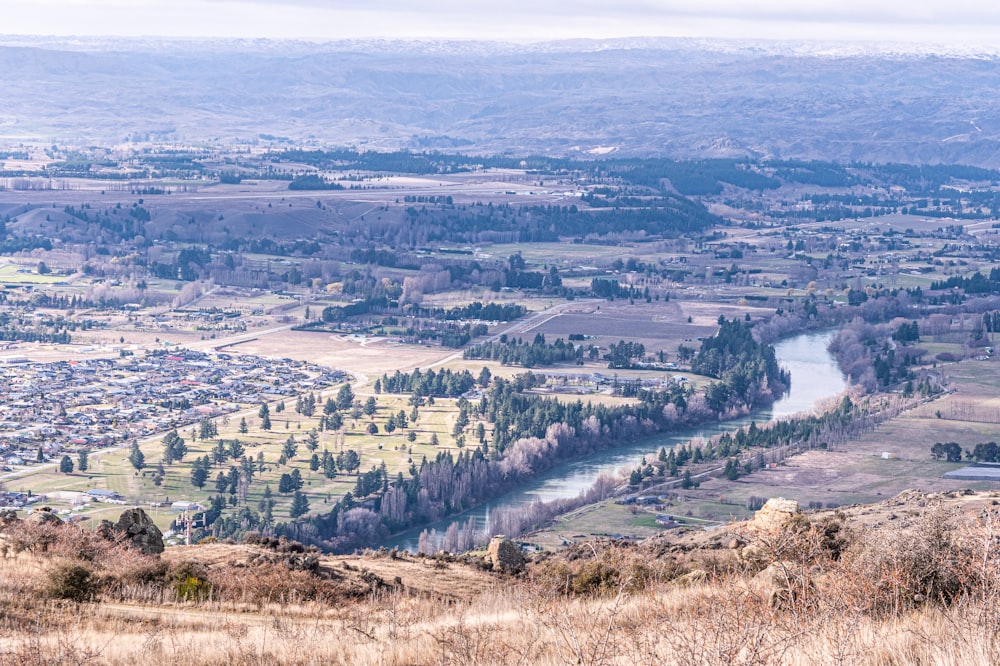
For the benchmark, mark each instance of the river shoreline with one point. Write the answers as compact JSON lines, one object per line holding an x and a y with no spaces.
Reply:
{"x":815,"y":377}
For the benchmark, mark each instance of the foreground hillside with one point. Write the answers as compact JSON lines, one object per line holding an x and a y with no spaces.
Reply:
{"x":913,"y":579}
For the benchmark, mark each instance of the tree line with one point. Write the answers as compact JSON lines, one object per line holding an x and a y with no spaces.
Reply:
{"x":514,"y":351}
{"x":530,"y":434}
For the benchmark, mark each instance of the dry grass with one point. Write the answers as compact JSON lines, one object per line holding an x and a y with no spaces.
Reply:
{"x":922,"y":589}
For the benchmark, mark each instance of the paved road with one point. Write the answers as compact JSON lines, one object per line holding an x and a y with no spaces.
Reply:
{"x":360,"y":379}
{"x":520,"y":326}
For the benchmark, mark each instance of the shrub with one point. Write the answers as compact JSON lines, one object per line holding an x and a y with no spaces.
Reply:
{"x":189,"y":581}
{"x":70,"y":580}
{"x":890,"y":571}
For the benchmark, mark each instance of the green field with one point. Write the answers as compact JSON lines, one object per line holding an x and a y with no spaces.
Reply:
{"x":13,"y":274}
{"x":111,"y":470}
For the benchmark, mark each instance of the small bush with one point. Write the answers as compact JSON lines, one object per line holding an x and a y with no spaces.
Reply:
{"x":891,"y":571}
{"x":189,"y":581}
{"x":70,"y":580}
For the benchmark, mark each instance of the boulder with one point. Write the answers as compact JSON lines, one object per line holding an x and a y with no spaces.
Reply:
{"x":770,"y":533}
{"x":781,"y":583}
{"x":504,"y":555}
{"x":136,"y":529}
{"x":693,"y":577}
{"x":776,"y":514}
{"x":44,"y":516}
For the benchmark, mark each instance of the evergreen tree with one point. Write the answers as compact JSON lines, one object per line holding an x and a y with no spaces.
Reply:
{"x":300,"y":505}
{"x":345,"y":397}
{"x":267,"y":499}
{"x":66,"y":465}
{"x":289,"y":449}
{"x":309,"y":405}
{"x":236,"y":448}
{"x":174,"y":447}
{"x":219,"y":454}
{"x":82,"y":462}
{"x":687,"y":482}
{"x":265,"y":416}
{"x":329,"y":465}
{"x":207,"y":429}
{"x":199,"y":475}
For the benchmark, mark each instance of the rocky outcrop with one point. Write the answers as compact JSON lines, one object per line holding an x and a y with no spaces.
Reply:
{"x":504,"y":555}
{"x":44,"y":516}
{"x":776,"y":514}
{"x":135,"y":529}
{"x":769,"y":535}
{"x":781,"y":583}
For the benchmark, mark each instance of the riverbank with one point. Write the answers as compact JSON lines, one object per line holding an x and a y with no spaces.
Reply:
{"x":815,"y":377}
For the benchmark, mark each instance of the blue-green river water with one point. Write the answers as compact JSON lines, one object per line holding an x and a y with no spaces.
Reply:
{"x":815,"y":378}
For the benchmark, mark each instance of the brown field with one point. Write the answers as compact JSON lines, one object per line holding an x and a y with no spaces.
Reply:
{"x":855,"y":471}
{"x":369,"y":357}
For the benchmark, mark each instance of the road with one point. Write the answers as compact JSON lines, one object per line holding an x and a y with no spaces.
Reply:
{"x":520,"y":326}
{"x":246,"y":336}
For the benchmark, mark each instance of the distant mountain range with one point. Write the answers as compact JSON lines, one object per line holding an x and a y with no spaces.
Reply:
{"x":642,"y":97}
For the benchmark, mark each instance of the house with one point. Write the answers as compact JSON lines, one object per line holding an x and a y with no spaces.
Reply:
{"x":107,"y":496}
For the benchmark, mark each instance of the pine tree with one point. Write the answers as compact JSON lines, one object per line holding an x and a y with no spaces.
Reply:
{"x":66,"y":465}
{"x":289,"y":449}
{"x":265,"y":417}
{"x":82,"y":462}
{"x":345,"y":397}
{"x":199,"y":475}
{"x":300,"y":505}
{"x":329,"y":465}
{"x":219,"y":454}
{"x":266,"y":499}
{"x":207,"y":429}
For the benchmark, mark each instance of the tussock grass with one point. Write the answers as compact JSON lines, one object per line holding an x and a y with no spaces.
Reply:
{"x":921,"y":591}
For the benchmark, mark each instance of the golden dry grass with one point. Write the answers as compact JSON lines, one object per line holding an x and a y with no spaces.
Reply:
{"x":919,"y":590}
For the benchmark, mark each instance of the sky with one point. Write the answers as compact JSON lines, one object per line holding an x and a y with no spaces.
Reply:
{"x":966,"y":23}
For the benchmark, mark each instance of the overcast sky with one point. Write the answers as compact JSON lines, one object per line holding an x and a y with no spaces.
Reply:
{"x":957,"y":22}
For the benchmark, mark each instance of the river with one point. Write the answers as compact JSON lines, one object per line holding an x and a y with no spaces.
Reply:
{"x":815,"y":377}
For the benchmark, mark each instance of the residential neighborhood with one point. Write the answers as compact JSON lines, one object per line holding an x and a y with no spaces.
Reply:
{"x":49,"y":408}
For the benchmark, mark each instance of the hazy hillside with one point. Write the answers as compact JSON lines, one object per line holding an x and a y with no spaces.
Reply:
{"x":648,"y":98}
